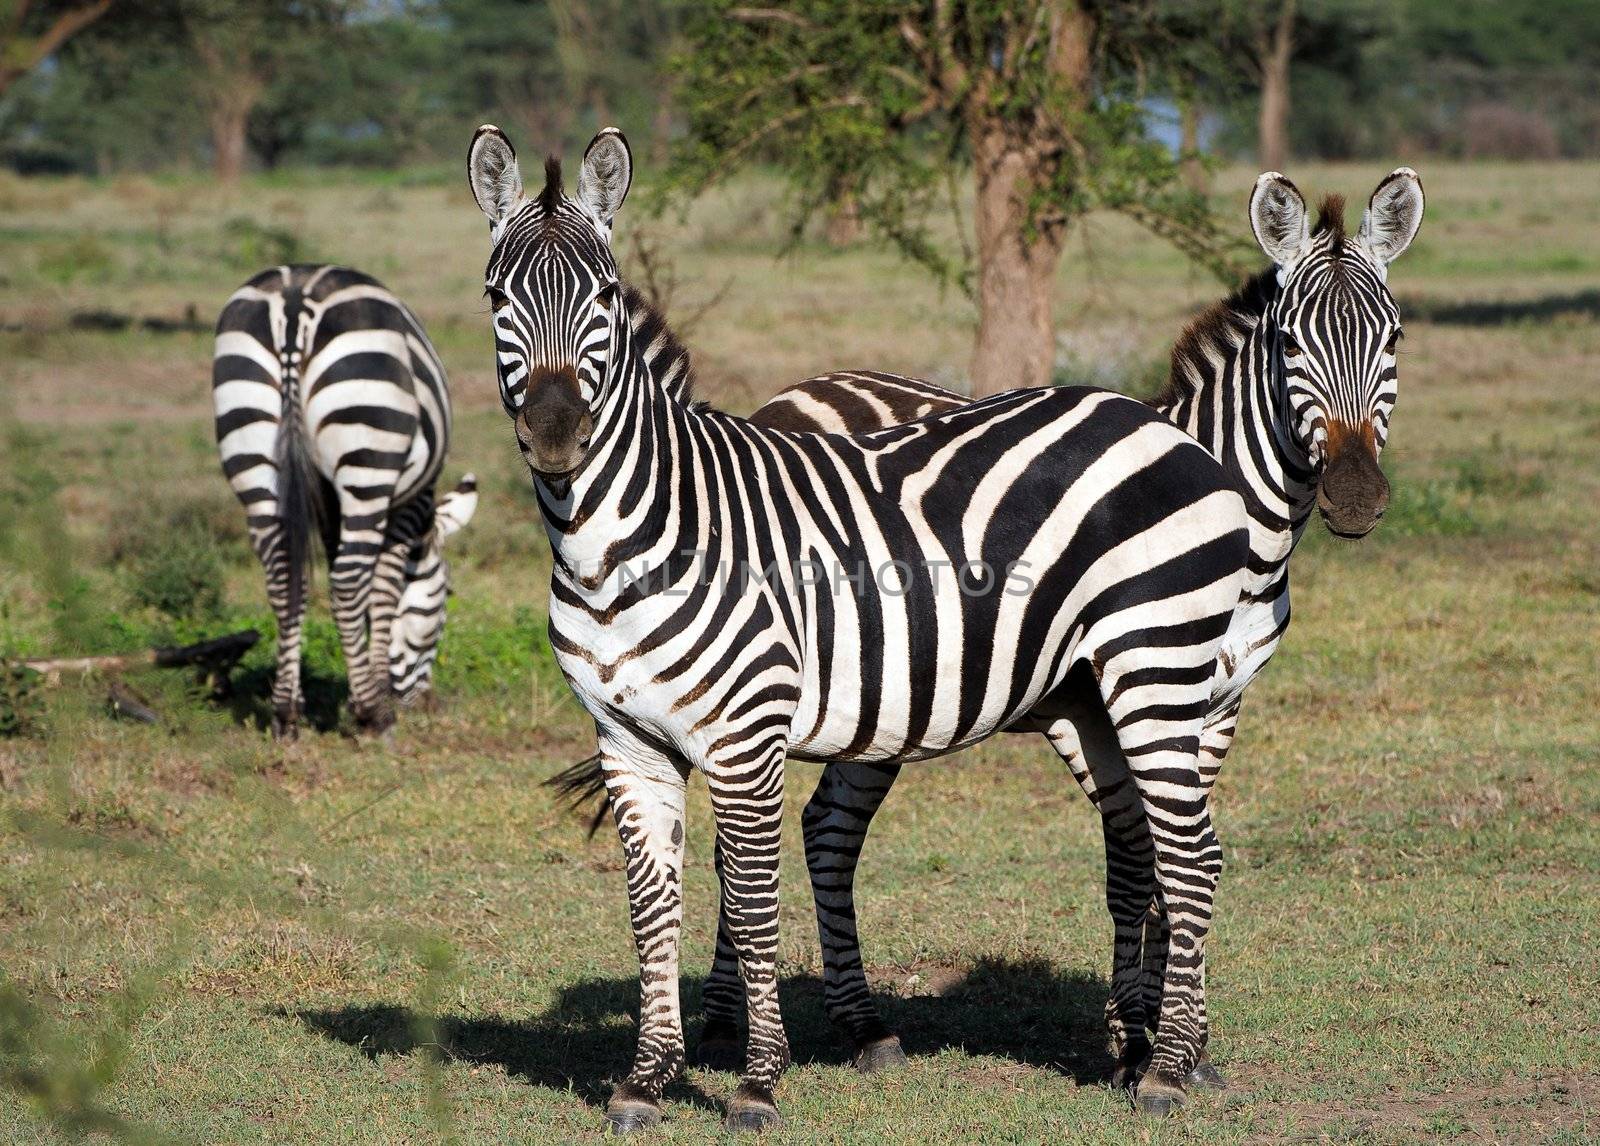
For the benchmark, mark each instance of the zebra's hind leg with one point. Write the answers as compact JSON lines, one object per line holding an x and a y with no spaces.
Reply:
{"x":1159,"y":713}
{"x":286,"y":595}
{"x":835,"y":823}
{"x":350,"y":585}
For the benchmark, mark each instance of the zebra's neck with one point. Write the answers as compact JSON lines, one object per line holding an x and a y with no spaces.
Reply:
{"x":1227,"y":391}
{"x":633,"y":508}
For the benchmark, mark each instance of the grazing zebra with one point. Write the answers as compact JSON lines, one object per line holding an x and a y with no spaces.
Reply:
{"x":725,"y":595}
{"x":333,"y":414}
{"x":1290,"y":383}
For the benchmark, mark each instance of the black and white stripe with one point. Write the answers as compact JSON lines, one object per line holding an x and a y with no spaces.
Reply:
{"x":333,"y":416}
{"x":1287,"y":383}
{"x":726,"y":595}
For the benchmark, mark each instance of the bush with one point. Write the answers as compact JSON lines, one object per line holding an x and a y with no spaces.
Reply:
{"x":1500,"y":131}
{"x":20,"y":702}
{"x":181,"y":577}
{"x":250,"y":246}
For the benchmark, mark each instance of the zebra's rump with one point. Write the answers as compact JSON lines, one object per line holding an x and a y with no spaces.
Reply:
{"x":371,"y":391}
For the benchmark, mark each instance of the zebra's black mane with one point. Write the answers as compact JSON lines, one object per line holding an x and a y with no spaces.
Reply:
{"x":550,"y":197}
{"x":1219,"y":324}
{"x":1330,"y":220}
{"x":1222,"y":323}
{"x":663,"y":351}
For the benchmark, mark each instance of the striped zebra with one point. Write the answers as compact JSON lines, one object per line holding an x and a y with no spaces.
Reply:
{"x":333,"y":415}
{"x":725,"y":596}
{"x":1290,"y":384}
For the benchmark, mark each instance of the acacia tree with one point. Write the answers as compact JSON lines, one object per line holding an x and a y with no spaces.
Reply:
{"x":31,"y":33}
{"x":241,"y":47}
{"x":885,"y":102}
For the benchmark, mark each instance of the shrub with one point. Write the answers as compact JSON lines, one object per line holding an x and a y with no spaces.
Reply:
{"x":1500,"y":131}
{"x":250,"y":246}
{"x":20,"y":702}
{"x":181,"y":576}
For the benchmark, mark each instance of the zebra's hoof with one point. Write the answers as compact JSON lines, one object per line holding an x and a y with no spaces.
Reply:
{"x":880,"y":1054}
{"x":1205,"y":1076}
{"x":720,"y":1047}
{"x":628,"y":1116}
{"x":285,"y":730}
{"x":1157,"y":1097}
{"x":752,"y":1111}
{"x":375,"y":721}
{"x":1131,"y":1062}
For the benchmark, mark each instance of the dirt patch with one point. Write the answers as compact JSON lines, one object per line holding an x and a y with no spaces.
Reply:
{"x":1516,"y":1110}
{"x":919,"y":980}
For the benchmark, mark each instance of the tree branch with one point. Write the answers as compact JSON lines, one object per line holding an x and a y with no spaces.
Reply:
{"x":48,"y":42}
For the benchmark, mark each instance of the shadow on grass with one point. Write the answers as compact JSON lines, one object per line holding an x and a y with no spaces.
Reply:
{"x":1027,"y":1011}
{"x":323,"y":694}
{"x":1488,"y":312}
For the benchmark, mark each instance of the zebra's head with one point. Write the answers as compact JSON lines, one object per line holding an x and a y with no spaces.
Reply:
{"x":553,"y":284}
{"x":419,"y":621}
{"x":1335,"y":327}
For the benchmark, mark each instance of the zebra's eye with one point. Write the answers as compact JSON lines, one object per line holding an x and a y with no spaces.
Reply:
{"x":1291,"y":348}
{"x":1394,"y":341}
{"x":607,"y":297}
{"x":497,"y":297}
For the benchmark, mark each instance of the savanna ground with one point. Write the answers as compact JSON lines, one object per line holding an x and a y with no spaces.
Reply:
{"x":207,"y":937}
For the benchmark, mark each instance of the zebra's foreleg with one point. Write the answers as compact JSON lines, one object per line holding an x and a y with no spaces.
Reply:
{"x":1159,"y":724}
{"x":721,"y":1045}
{"x":646,"y":792}
{"x":1214,"y":744}
{"x":747,"y":798}
{"x":835,"y":823}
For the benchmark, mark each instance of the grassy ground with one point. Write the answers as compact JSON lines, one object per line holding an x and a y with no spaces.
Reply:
{"x":208,"y":938}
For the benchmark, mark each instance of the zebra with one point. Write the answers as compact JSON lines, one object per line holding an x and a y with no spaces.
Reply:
{"x":333,"y":414}
{"x":693,"y":608}
{"x":1229,"y":387}
{"x":1290,"y":383}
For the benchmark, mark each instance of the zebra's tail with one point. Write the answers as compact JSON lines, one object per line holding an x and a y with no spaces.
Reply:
{"x":299,"y":506}
{"x":579,"y":784}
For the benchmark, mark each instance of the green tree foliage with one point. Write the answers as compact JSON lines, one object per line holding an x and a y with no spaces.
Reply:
{"x":1038,"y":99}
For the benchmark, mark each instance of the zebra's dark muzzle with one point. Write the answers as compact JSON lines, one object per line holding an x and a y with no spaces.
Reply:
{"x":1352,"y":493}
{"x":554,"y":425}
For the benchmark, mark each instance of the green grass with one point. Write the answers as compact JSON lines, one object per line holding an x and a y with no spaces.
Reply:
{"x":205,"y":937}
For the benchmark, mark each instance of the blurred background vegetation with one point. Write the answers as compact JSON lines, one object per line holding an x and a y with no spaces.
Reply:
{"x":208,"y":935}
{"x":162,"y":85}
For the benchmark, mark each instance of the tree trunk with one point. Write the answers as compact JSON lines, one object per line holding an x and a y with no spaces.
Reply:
{"x":1019,"y":245}
{"x":1273,"y":125}
{"x":844,"y":219}
{"x":1190,"y":168}
{"x":228,"y":123}
{"x":1016,"y":273}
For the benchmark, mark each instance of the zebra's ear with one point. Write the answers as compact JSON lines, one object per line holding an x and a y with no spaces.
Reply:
{"x":1393,"y":215}
{"x":493,"y":174}
{"x":456,"y":508}
{"x":1278,"y":217}
{"x":606,"y":175}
